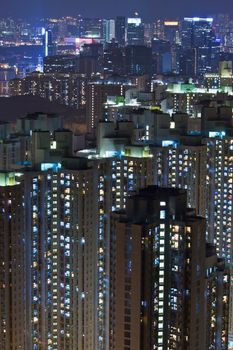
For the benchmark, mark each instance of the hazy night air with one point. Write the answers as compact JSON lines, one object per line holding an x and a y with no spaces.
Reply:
{"x":147,"y":8}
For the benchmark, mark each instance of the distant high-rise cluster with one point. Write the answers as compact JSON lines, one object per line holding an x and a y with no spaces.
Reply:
{"x":116,"y":211}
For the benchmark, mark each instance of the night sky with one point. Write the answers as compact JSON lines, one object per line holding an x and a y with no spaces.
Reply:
{"x":149,"y":9}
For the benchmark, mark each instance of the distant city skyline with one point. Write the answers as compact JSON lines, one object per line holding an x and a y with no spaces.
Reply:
{"x":148,"y":9}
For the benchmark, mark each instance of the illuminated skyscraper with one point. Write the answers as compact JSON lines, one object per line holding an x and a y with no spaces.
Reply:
{"x":49,"y":45}
{"x":13,"y":264}
{"x":109,"y":30}
{"x":217,"y":128}
{"x":59,"y":227}
{"x":120,"y":30}
{"x":49,"y":274}
{"x":135,"y":31}
{"x":183,"y":165}
{"x":198,"y":34}
{"x":172,"y":31}
{"x":168,"y":289}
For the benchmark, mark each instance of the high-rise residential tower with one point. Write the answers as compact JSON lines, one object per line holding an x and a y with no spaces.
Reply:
{"x":168,"y":289}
